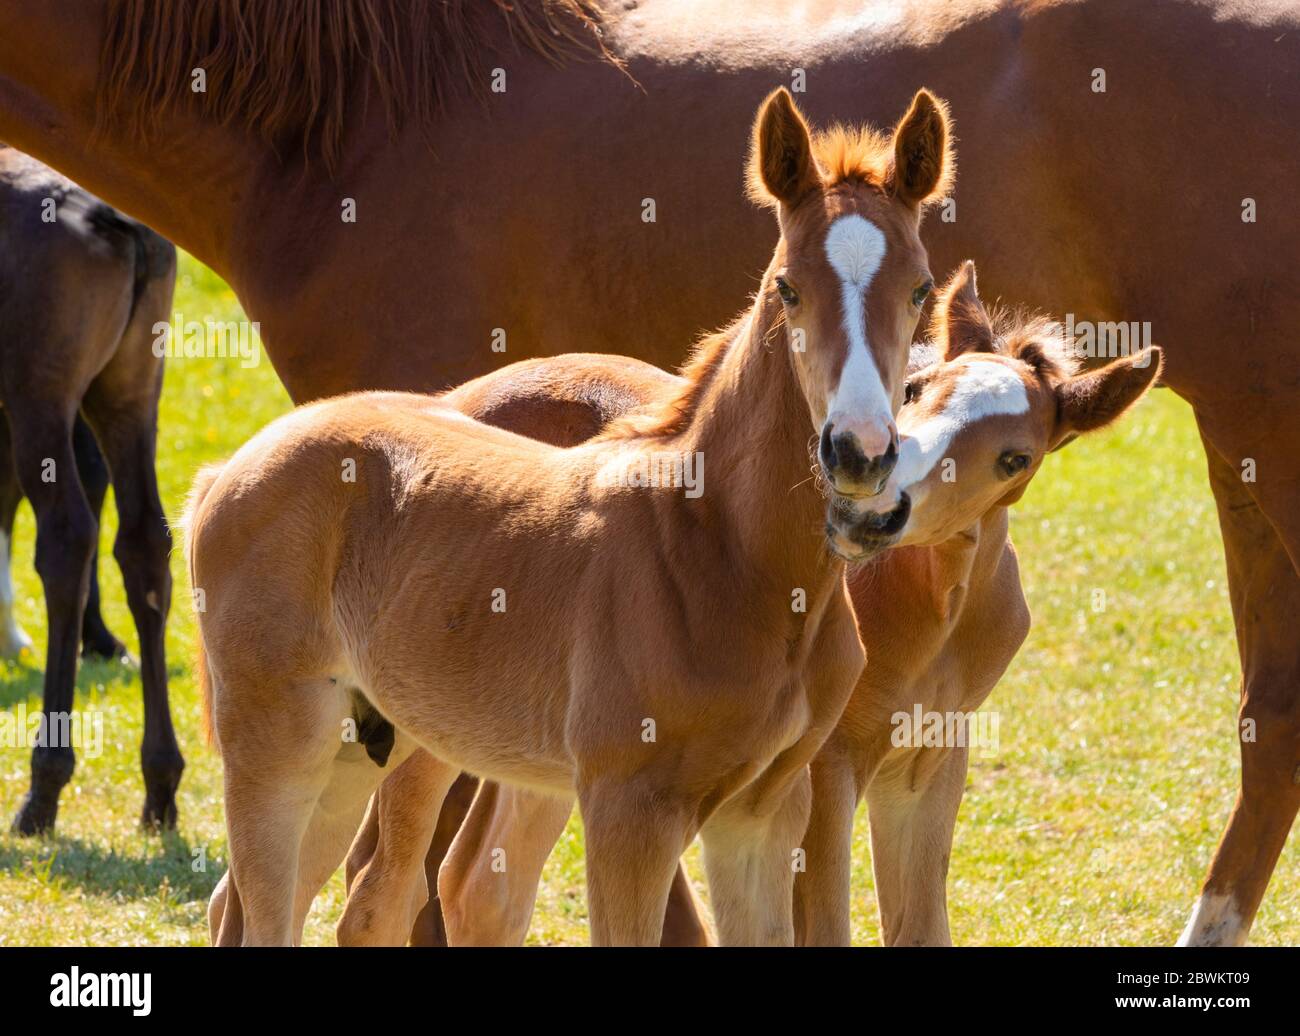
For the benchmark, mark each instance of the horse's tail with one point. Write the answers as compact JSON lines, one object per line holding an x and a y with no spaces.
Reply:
{"x":203,"y":481}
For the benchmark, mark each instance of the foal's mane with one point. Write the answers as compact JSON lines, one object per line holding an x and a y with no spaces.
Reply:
{"x":1031,"y":338}
{"x":289,"y":68}
{"x":671,"y":416}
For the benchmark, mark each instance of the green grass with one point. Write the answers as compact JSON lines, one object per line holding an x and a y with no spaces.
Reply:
{"x":1093,"y":824}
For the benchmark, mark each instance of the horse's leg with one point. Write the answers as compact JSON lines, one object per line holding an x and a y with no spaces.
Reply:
{"x":911,"y":840}
{"x":96,"y":640}
{"x":13,"y":640}
{"x":65,"y":539}
{"x":750,"y":858}
{"x":488,"y":882}
{"x":635,"y":836}
{"x":278,"y":764}
{"x":225,"y":912}
{"x":388,"y":891}
{"x":1265,"y":594}
{"x":821,"y":890}
{"x":684,"y":923}
{"x":428,"y":929}
{"x":122,"y":408}
{"x":353,"y":778}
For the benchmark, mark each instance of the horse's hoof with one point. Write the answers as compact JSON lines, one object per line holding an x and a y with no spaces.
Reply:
{"x":159,"y":815}
{"x":106,"y":648}
{"x":35,"y":817}
{"x":162,"y":776}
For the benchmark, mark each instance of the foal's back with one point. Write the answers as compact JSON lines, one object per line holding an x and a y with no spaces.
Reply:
{"x":439,"y":566}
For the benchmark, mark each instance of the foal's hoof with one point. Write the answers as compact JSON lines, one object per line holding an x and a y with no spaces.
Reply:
{"x":35,"y":817}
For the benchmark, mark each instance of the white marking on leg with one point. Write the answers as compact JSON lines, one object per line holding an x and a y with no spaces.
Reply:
{"x":1215,"y":921}
{"x":859,"y":404}
{"x":985,"y":389}
{"x":15,"y":640}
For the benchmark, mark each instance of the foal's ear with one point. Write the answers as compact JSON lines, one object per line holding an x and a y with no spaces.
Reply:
{"x":923,"y":162}
{"x":960,"y":323}
{"x":781,"y":165}
{"x":1090,"y":401}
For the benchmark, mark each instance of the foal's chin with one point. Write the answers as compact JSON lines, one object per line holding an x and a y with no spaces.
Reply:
{"x":857,"y":536}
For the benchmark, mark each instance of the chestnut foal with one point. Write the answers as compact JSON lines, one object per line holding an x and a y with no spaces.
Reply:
{"x":943,"y":615}
{"x":539,"y":616}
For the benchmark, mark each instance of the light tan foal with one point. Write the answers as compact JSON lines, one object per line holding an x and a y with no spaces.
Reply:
{"x":544,"y":616}
{"x":948,"y":615}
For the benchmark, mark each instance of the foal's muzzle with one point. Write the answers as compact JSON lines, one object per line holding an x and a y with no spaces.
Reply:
{"x":847,"y":467}
{"x":857,"y":535}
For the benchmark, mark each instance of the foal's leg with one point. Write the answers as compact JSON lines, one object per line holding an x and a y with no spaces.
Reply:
{"x":684,"y":923}
{"x":488,"y":882}
{"x":96,"y":640}
{"x":429,"y":929}
{"x":1265,"y":594}
{"x":124,"y":415}
{"x":821,"y":890}
{"x":354,"y":777}
{"x":278,"y":763}
{"x":65,"y":540}
{"x":749,"y":856}
{"x":13,"y":640}
{"x":911,"y":842}
{"x":635,"y":835}
{"x":389,"y":890}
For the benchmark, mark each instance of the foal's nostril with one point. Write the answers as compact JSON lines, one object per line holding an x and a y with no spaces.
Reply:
{"x":846,"y":462}
{"x":849,"y":458}
{"x":887,"y":462}
{"x":826,"y":448}
{"x":896,"y":519}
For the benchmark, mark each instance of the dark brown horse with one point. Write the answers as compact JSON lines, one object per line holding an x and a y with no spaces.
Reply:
{"x":374,"y":176}
{"x":81,"y":287}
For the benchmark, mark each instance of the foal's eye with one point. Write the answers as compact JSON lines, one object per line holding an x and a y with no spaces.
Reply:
{"x":922,"y":293}
{"x":788,"y":295}
{"x":1011,"y":463}
{"x":911,"y":392}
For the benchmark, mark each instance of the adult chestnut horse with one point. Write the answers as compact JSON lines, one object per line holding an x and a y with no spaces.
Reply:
{"x":1105,"y":165}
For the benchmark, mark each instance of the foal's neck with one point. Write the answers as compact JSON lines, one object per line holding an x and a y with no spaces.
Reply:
{"x":752,"y":427}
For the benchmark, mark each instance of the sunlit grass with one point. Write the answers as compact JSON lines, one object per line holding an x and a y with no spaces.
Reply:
{"x":1092,"y":824}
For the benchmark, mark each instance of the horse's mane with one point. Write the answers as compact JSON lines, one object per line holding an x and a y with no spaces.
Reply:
{"x":290,"y":69}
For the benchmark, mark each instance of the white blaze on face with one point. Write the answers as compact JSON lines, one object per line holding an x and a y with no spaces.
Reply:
{"x":985,"y":389}
{"x":859,"y":404}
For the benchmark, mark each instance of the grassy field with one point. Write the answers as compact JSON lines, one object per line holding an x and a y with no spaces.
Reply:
{"x":1092,"y":824}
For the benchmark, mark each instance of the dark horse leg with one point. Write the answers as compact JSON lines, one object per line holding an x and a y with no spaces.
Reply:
{"x":41,"y":431}
{"x":122,"y":408}
{"x":96,"y":640}
{"x":1265,"y":593}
